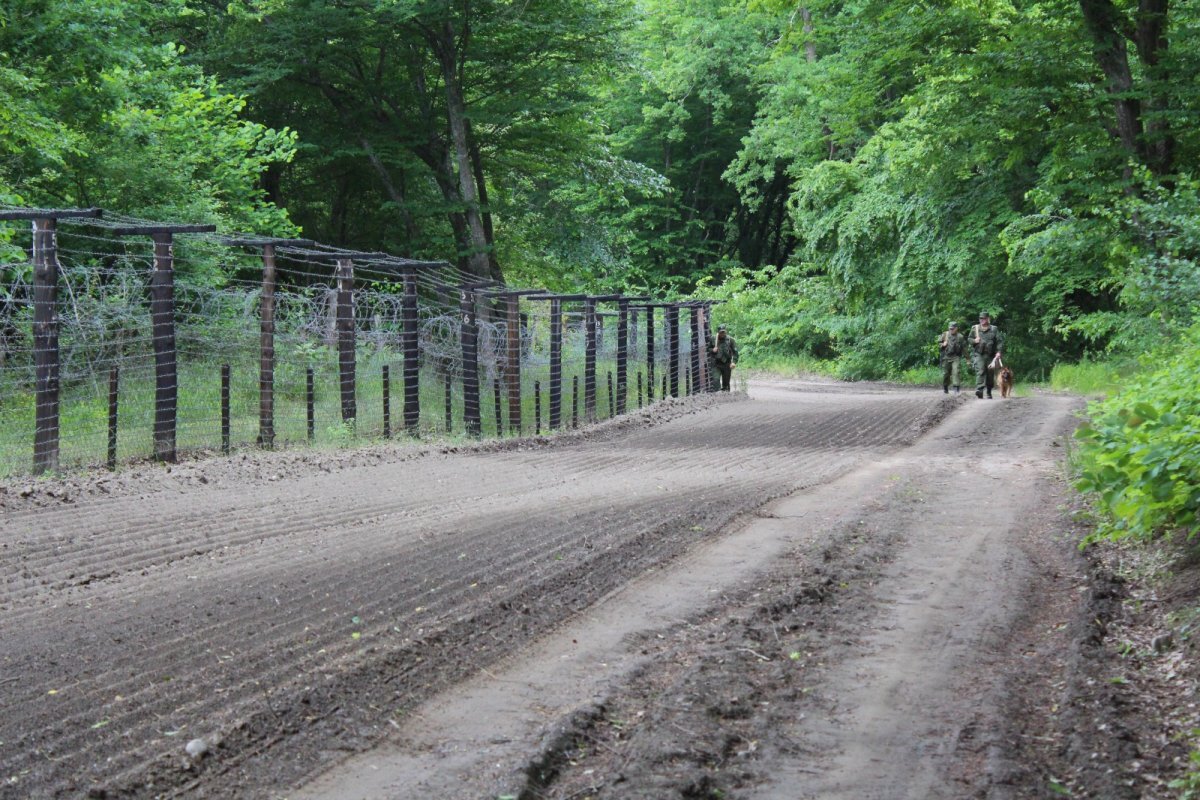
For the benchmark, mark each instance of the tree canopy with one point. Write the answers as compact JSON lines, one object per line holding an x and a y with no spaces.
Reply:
{"x":849,"y":174}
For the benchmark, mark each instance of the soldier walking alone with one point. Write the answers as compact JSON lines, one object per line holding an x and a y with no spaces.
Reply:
{"x":988,"y":342}
{"x":953,"y":345}
{"x":724,"y":356}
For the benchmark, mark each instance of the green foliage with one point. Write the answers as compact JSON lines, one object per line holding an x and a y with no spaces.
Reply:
{"x":405,"y":108}
{"x":773,"y":312}
{"x":681,"y":108}
{"x":1140,"y":451}
{"x":949,"y":157}
{"x":847,"y":177}
{"x":97,"y":108}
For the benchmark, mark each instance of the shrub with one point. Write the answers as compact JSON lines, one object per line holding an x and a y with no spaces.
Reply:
{"x":1140,"y":451}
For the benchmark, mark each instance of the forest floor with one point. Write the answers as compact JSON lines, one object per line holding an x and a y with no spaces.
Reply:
{"x":823,"y":590}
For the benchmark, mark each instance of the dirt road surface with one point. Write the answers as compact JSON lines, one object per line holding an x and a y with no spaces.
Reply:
{"x":813,"y":592}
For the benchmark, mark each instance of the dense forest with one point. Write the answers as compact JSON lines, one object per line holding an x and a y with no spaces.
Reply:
{"x":846,"y":175}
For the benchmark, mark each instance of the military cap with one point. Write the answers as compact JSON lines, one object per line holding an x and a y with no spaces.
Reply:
{"x":953,"y":324}
{"x":720,"y":328}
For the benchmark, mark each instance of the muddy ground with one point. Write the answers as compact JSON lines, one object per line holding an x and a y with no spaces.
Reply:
{"x":822,"y":591}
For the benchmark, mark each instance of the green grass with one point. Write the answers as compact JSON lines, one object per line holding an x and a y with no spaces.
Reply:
{"x":1092,"y":378}
{"x":787,"y":366}
{"x":1089,"y":378}
{"x":84,"y":406}
{"x":932,"y":376}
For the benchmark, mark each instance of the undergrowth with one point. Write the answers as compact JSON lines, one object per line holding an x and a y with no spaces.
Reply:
{"x":1092,"y":378}
{"x":1139,"y":461}
{"x":1139,"y":453}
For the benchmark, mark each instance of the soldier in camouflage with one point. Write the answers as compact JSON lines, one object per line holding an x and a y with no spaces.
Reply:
{"x":952,"y":345}
{"x":987,"y":342}
{"x":724,"y":356}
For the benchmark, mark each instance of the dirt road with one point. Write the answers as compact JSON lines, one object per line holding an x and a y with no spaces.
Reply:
{"x":613,"y":614}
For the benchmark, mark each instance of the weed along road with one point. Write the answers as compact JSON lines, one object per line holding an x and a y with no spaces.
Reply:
{"x":801,"y":594}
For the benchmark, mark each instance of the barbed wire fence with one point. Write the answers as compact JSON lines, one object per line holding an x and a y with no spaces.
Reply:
{"x":123,"y":339}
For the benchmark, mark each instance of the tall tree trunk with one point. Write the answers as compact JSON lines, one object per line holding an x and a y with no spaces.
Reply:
{"x":484,"y":207}
{"x":434,"y":153}
{"x":443,"y":176}
{"x":1151,"y":41}
{"x":1108,"y":28}
{"x":456,"y":112}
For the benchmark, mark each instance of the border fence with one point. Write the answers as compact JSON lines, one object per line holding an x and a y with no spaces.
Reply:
{"x":123,"y":339}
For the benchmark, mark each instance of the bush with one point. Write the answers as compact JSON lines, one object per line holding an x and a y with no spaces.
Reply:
{"x":1140,"y":452}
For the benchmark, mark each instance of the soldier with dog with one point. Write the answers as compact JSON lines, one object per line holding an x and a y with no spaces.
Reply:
{"x":953,"y":345}
{"x":987,"y":343}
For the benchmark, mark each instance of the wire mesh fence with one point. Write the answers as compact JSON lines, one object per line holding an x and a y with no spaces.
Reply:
{"x":122,"y":340}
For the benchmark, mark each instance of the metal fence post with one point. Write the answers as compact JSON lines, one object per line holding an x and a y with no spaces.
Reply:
{"x":412,"y":357}
{"x":387,"y":402}
{"x":114,"y":399}
{"x":537,"y":408}
{"x":470,"y":358}
{"x":45,"y":345}
{"x":589,"y":360}
{"x":512,"y":365}
{"x":266,"y":365}
{"x":555,"y":364}
{"x":673,"y":347}
{"x":310,"y":403}
{"x":622,"y":353}
{"x":225,"y":409}
{"x":649,"y":354}
{"x":346,"y":338}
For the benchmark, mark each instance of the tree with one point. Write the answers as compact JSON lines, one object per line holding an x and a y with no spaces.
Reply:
{"x":463,"y":95}
{"x":948,"y":156}
{"x":98,"y":111}
{"x":682,"y":107}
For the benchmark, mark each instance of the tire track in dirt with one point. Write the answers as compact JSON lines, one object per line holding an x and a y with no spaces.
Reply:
{"x":867,"y":663}
{"x":428,"y":555}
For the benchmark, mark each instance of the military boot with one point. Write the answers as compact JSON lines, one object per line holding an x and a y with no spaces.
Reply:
{"x":979,"y":393}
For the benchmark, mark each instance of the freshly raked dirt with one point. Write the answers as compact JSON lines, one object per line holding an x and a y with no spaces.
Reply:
{"x":824,"y":590}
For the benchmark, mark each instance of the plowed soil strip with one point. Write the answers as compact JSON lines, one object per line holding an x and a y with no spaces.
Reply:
{"x":289,"y":621}
{"x":844,"y":642}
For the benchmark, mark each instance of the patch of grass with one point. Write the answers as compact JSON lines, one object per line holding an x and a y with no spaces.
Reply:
{"x":1092,"y":378}
{"x":84,"y":405}
{"x":927,"y":376}
{"x":787,"y":366}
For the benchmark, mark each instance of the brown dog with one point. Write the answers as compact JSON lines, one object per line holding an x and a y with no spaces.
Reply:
{"x":1004,"y":377}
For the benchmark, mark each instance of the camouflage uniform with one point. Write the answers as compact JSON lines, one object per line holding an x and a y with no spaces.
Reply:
{"x":991,"y":342}
{"x":724,"y":358}
{"x":714,"y":375}
{"x":953,"y":345}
